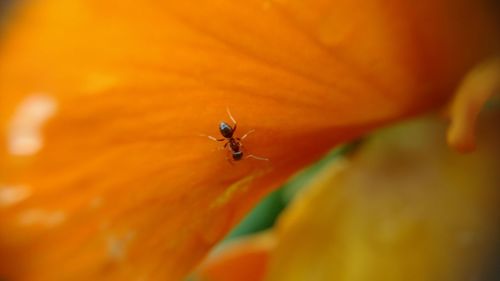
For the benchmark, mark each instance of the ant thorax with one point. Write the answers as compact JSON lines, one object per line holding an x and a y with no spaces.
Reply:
{"x":234,"y":145}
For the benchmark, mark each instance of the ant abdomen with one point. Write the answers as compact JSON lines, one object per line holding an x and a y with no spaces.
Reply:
{"x":237,"y":155}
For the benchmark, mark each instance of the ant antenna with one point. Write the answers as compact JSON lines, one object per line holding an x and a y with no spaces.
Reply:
{"x":257,"y":157}
{"x":230,"y":116}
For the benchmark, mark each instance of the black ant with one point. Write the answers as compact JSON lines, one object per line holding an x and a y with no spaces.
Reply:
{"x":233,"y":143}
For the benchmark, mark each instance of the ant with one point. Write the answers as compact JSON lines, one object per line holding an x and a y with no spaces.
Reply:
{"x":233,"y":143}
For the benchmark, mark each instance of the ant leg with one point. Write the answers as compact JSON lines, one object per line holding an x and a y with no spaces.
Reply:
{"x":245,"y":135}
{"x":257,"y":157}
{"x":212,"y":138}
{"x":224,"y":147}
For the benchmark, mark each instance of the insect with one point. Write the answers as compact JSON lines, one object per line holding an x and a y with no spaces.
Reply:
{"x":233,"y":143}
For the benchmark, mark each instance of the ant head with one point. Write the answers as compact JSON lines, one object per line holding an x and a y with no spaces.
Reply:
{"x":226,"y":130}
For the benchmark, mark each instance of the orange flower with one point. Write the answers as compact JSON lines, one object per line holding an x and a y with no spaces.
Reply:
{"x":103,"y":172}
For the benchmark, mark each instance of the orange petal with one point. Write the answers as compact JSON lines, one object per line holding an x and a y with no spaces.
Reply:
{"x":243,"y":259}
{"x":103,"y":173}
{"x":478,"y":86}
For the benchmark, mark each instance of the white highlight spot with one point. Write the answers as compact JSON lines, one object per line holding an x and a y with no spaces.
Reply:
{"x":117,"y":246}
{"x":24,"y":136}
{"x":10,"y":195}
{"x":41,"y":217}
